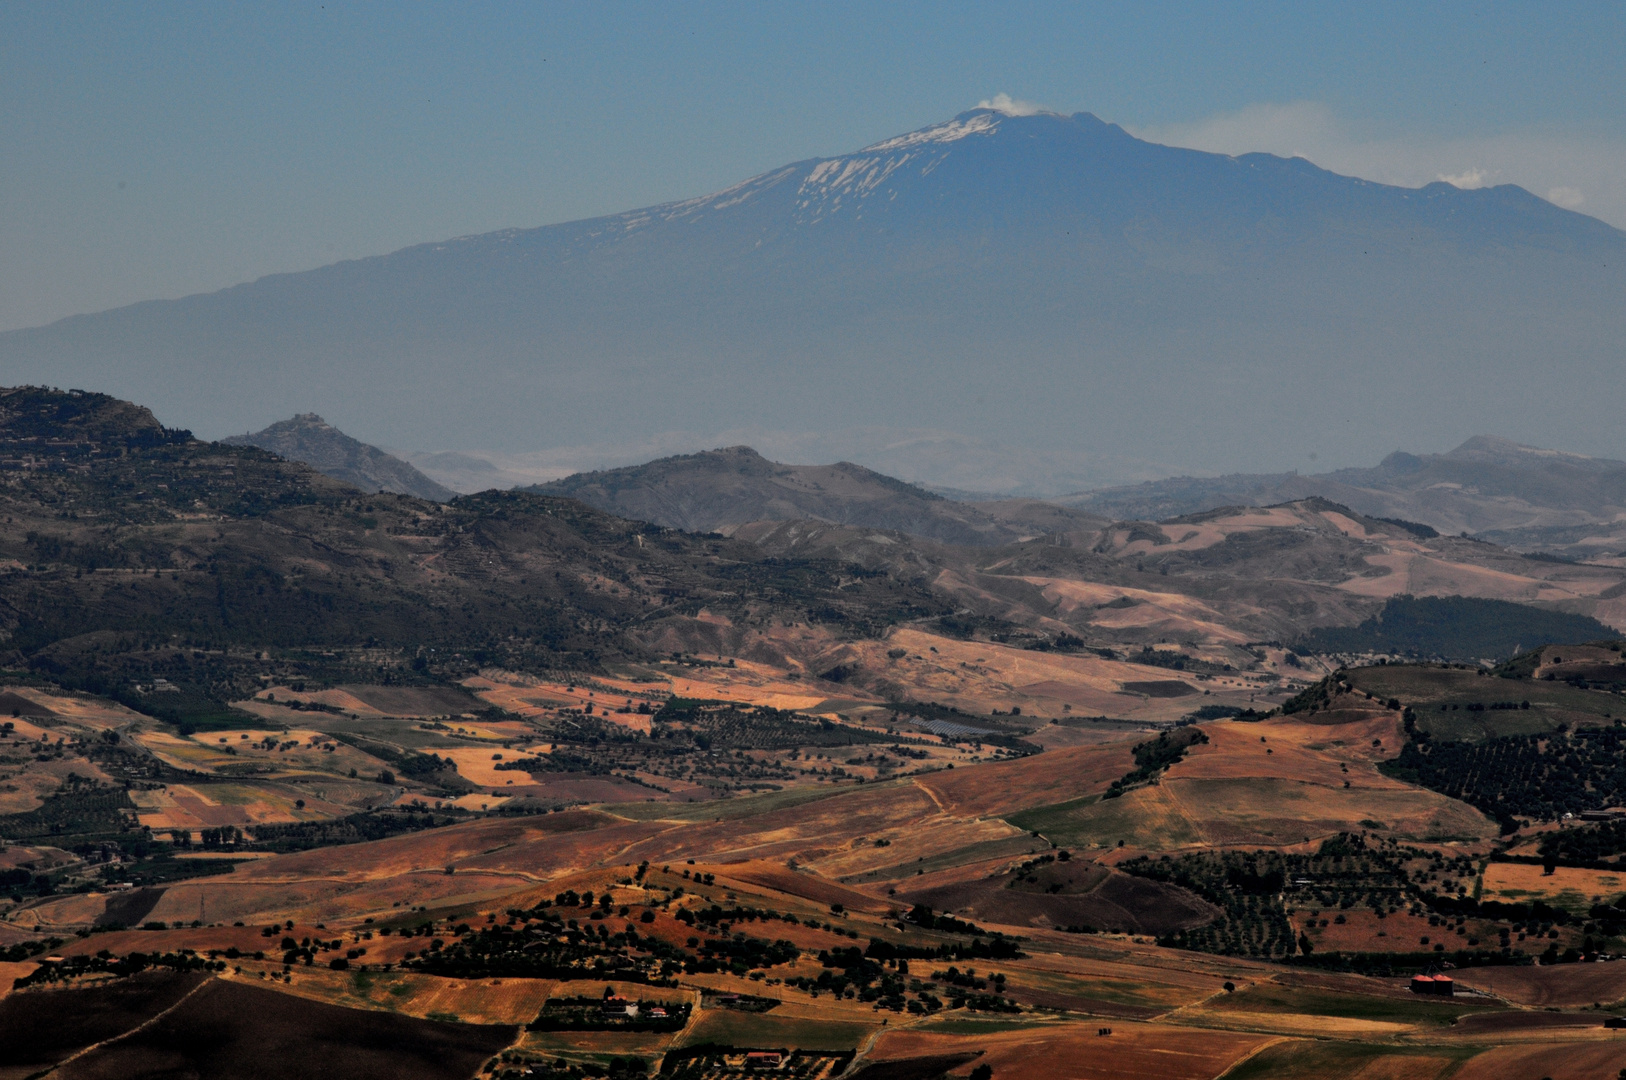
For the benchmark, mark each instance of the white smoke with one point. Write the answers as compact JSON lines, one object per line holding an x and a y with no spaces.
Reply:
{"x":1010,"y":106}
{"x":1468,"y":179}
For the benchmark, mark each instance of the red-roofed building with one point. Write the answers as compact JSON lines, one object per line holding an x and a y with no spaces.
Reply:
{"x":1435,"y":985}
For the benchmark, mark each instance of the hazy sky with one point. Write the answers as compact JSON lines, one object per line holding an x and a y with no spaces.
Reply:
{"x":153,"y":150}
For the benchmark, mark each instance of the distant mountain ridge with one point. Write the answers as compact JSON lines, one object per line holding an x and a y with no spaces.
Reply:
{"x":1040,"y":281}
{"x":1493,"y":488}
{"x":308,"y":438}
{"x":723,"y":490}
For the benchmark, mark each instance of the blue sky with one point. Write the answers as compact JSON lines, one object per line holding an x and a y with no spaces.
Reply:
{"x":153,"y":150}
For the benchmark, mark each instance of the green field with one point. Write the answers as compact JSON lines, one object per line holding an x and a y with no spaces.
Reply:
{"x":1425,"y":688}
{"x":766,"y":1029}
{"x":1141,"y":817}
{"x":726,"y":809}
{"x":595,"y":1045}
{"x":1006,"y":847}
{"x":1265,"y":810}
{"x":1274,"y":998}
{"x":950,"y":1026}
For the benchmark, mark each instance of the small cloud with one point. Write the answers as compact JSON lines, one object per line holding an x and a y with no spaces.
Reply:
{"x":1567,"y":197}
{"x":1010,"y":106}
{"x":1567,"y":167}
{"x":1468,"y":179}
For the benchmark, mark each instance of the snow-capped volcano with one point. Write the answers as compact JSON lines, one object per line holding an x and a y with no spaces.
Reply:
{"x":1009,"y":275}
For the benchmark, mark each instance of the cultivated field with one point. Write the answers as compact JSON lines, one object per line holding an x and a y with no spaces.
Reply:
{"x":1572,"y":888}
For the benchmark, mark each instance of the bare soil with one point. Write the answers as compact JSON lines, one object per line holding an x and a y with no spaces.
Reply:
{"x":40,"y":1028}
{"x":231,"y":1029}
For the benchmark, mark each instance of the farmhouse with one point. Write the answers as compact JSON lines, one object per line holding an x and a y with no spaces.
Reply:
{"x":617,"y":1006}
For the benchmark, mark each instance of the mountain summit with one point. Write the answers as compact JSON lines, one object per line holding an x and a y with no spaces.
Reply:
{"x":722,"y":490}
{"x":1041,"y":281}
{"x":312,"y":440}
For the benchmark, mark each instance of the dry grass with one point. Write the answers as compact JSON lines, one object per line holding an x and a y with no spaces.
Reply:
{"x":209,"y":752}
{"x":479,"y":766}
{"x":1568,"y":887}
{"x":1132,"y":1052}
{"x":1558,"y":986}
{"x":1049,"y":978}
{"x":1363,"y":931}
{"x":1260,"y":811}
{"x":63,"y":912}
{"x":72,"y":712}
{"x":978,"y":676}
{"x":478,"y":1001}
{"x":1556,"y":1061}
{"x":1327,"y":754}
{"x":11,"y":972}
{"x":24,"y":791}
{"x":746,"y":682}
{"x":1006,"y":787}
{"x":1415,"y":570}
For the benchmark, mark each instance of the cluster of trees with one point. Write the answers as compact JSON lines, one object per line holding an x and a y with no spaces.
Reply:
{"x":105,"y":962}
{"x":1456,"y":627}
{"x":734,"y":727}
{"x":1175,"y":660}
{"x":25,"y":950}
{"x":1532,"y":776}
{"x":1598,"y":846}
{"x":1155,"y":755}
{"x":544,"y":943}
{"x":1255,"y":892}
{"x":706,"y":742}
{"x":850,"y":973}
{"x":352,"y":829}
{"x":519,"y":1065}
{"x":587,"y":1014}
{"x":79,"y":812}
{"x":1251,"y":889}
{"x":543,"y":946}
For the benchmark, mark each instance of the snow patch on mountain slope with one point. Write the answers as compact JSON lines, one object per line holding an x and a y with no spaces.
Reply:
{"x":832,"y":183}
{"x":965,"y":125}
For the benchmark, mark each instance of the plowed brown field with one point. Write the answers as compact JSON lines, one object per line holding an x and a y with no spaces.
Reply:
{"x":1132,"y":1052}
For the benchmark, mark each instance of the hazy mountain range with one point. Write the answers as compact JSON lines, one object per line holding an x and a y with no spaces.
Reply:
{"x":1491,"y":488}
{"x":1043,"y":284}
{"x":117,"y":529}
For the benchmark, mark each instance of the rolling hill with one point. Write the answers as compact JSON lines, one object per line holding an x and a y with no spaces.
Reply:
{"x":137,"y":557}
{"x":309,"y":438}
{"x":131,"y":552}
{"x":1045,"y":282}
{"x":722,"y":490}
{"x":1493,"y":488}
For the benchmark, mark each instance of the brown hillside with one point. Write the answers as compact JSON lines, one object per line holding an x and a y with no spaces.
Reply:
{"x":723,"y":490}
